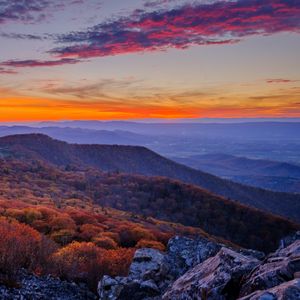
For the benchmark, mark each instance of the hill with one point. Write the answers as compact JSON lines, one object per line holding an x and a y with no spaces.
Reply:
{"x":274,"y":175}
{"x":80,"y":135}
{"x":38,"y":183}
{"x":140,"y":160}
{"x":257,"y":130}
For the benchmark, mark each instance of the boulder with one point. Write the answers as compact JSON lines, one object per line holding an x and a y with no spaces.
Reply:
{"x":148,"y":275}
{"x":148,"y":264}
{"x":289,"y":240}
{"x":279,"y":267}
{"x":217,"y":277}
{"x":286,"y":291}
{"x":185,"y":253}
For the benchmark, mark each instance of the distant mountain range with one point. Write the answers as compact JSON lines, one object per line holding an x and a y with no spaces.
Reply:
{"x":140,"y":160}
{"x":80,"y":135}
{"x":279,"y":176}
{"x":246,"y":130}
{"x":195,"y":148}
{"x":253,"y":140}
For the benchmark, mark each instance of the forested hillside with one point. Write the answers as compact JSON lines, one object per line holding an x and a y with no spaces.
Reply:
{"x":36,"y":182}
{"x":140,"y":160}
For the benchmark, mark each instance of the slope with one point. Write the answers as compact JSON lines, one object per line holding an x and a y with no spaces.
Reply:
{"x":140,"y":160}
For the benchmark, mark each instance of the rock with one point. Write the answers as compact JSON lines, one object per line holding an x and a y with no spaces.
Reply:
{"x":286,"y":291}
{"x":127,"y":289}
{"x":278,"y":268}
{"x":45,"y":288}
{"x":152,"y":271}
{"x":254,"y":253}
{"x":289,"y":240}
{"x":110,"y":288}
{"x":148,"y":275}
{"x":148,"y":264}
{"x":184,"y":253}
{"x":201,"y":269}
{"x":216,"y":278}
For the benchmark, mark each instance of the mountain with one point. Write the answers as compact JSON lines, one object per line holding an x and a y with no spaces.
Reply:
{"x":278,"y":176}
{"x":179,"y":140}
{"x":140,"y":160}
{"x":37,"y":183}
{"x":247,"y":130}
{"x":80,"y":135}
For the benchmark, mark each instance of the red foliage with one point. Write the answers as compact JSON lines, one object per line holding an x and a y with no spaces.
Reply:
{"x":87,"y":262}
{"x":151,"y":244}
{"x":22,"y":247}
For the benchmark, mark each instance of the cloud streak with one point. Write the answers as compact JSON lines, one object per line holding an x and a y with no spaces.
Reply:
{"x":7,"y":71}
{"x":223,"y":22}
{"x":22,"y":36}
{"x":24,"y":11}
{"x":281,"y":80}
{"x":39,"y":63}
{"x":31,"y":11}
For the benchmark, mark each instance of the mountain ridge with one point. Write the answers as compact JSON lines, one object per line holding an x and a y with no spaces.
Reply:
{"x":140,"y":160}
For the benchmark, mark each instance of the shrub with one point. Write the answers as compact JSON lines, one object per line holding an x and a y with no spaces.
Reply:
{"x":63,"y":237}
{"x":78,"y":261}
{"x":21,"y":247}
{"x":88,"y":263}
{"x":88,"y":231}
{"x":151,"y":244}
{"x":105,"y":242}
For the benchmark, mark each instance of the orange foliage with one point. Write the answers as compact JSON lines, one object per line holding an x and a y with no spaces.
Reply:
{"x":87,"y":262}
{"x":105,"y":242}
{"x":151,"y":244}
{"x":21,"y":247}
{"x":88,"y":231}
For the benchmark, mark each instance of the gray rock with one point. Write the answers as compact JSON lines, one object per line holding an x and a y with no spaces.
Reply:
{"x":250,"y":252}
{"x":148,"y":264}
{"x":148,"y":275}
{"x":278,"y":268}
{"x":185,"y":253}
{"x":216,"y":278}
{"x":110,"y":288}
{"x":152,"y":271}
{"x":286,"y":291}
{"x":289,"y":240}
{"x":45,"y":288}
{"x":201,"y":269}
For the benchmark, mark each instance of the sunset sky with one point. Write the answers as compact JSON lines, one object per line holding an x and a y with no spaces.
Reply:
{"x":134,"y":59}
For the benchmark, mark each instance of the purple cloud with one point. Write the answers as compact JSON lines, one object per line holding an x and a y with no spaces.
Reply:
{"x":281,"y":80}
{"x":7,"y":71}
{"x":22,"y":36}
{"x":39,"y":63}
{"x":31,"y":11}
{"x":24,"y":11}
{"x":222,"y":22}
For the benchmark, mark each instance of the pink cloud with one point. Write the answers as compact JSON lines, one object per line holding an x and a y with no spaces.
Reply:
{"x":223,"y":22}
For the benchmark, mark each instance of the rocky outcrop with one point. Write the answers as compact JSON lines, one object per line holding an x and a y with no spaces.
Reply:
{"x":148,"y":275}
{"x":184,"y":253}
{"x":285,"y":242}
{"x":152,"y":271}
{"x":201,"y":269}
{"x":45,"y":288}
{"x":279,"y":267}
{"x":216,"y":278}
{"x":286,"y":291}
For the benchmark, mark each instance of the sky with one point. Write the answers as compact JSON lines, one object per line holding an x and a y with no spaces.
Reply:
{"x":135,"y":59}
